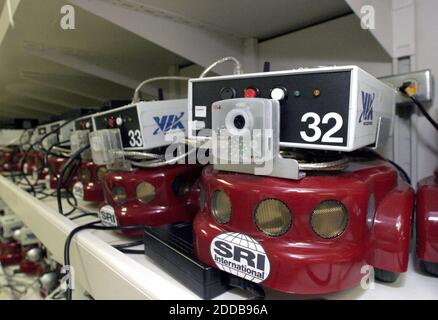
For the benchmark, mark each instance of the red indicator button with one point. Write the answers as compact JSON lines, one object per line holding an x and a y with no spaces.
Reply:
{"x":250,"y":93}
{"x":111,"y":122}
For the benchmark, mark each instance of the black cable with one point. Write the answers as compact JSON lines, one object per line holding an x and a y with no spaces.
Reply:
{"x":44,"y":195}
{"x":74,"y":205}
{"x":46,"y":157}
{"x":124,"y":247}
{"x":46,"y":165}
{"x":58,"y":295}
{"x":48,"y":152}
{"x":72,"y":173}
{"x":39,"y":172}
{"x":13,"y":175}
{"x":39,"y":141}
{"x":23,"y":162}
{"x":85,"y":214}
{"x":20,"y":138}
{"x":67,"y":122}
{"x":69,"y":162}
{"x":67,"y":251}
{"x":24,"y":175}
{"x":131,"y":251}
{"x":69,"y":194}
{"x":419,"y":105}
{"x":128,"y":245}
{"x":402,"y":171}
{"x":71,"y":200}
{"x":88,"y":226}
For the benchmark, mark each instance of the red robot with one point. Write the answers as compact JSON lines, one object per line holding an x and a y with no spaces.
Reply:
{"x":427,"y":223}
{"x":310,"y":236}
{"x":38,"y":170}
{"x":5,"y":160}
{"x":34,"y":165}
{"x":28,"y":267}
{"x":55,"y":164}
{"x":89,"y":184}
{"x":30,"y":162}
{"x":11,"y":161}
{"x":151,"y":197}
{"x":33,"y":258}
{"x":10,"y":253}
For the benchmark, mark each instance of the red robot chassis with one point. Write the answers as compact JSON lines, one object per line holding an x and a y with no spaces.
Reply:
{"x":5,"y":160}
{"x":89,"y":185}
{"x":427,"y":223}
{"x":10,"y":161}
{"x":35,"y":165}
{"x":55,"y":164}
{"x":151,"y":197}
{"x":10,"y":253}
{"x":378,"y":206}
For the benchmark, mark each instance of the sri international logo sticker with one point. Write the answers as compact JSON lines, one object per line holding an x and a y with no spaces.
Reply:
{"x":78,"y":190}
{"x":240,"y":255}
{"x":108,"y":217}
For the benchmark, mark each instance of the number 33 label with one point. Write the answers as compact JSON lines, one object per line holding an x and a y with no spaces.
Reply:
{"x":313,"y":121}
{"x":135,"y":138}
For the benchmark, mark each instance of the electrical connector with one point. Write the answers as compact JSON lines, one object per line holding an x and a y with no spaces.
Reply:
{"x":78,"y":140}
{"x":409,"y":88}
{"x":107,"y":148}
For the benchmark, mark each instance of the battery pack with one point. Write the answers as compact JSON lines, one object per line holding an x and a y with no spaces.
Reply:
{"x":171,"y":247}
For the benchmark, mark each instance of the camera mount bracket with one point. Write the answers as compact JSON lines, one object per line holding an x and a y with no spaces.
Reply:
{"x":252,"y":125}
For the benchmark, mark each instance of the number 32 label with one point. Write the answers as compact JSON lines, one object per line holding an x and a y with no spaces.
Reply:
{"x":313,"y":121}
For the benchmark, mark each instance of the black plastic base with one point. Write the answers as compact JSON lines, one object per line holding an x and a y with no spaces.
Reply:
{"x":385,"y":276}
{"x":430,"y":267}
{"x":171,"y":247}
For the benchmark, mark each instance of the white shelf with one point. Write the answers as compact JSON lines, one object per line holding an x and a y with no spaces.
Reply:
{"x":106,"y":273}
{"x":100,"y":269}
{"x":22,"y":282}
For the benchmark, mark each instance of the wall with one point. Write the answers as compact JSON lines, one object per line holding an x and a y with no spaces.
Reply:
{"x":427,"y":58}
{"x":337,"y":42}
{"x":342,"y":42}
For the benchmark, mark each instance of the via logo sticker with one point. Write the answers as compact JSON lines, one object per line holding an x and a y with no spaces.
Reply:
{"x":366,"y":117}
{"x":168,"y":123}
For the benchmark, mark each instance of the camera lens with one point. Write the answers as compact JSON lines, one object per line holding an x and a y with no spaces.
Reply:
{"x":239,"y":122}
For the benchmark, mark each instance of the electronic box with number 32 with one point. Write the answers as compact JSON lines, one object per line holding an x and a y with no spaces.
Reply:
{"x":327,"y":108}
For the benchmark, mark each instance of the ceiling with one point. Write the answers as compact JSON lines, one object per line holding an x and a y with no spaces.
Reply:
{"x":260,"y":19}
{"x":29,"y":85}
{"x":36,"y":87}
